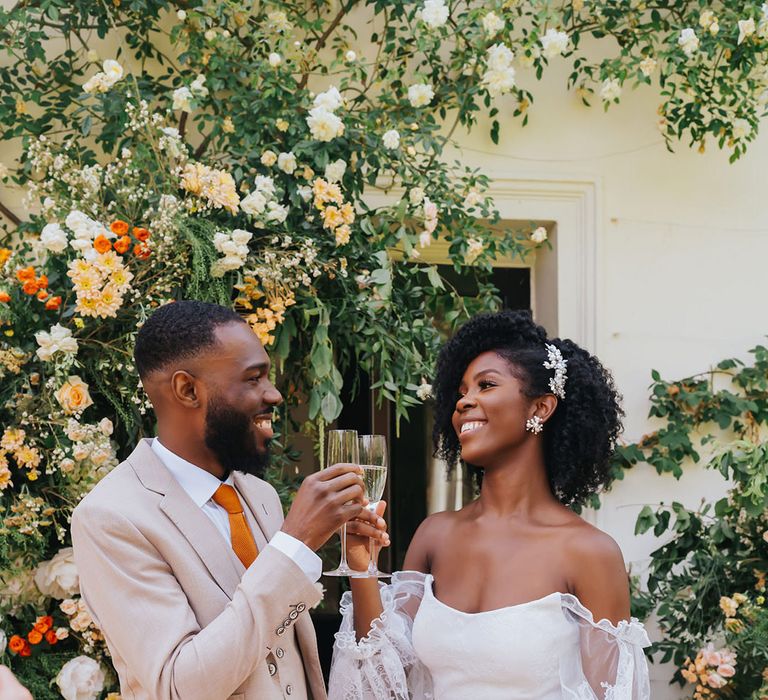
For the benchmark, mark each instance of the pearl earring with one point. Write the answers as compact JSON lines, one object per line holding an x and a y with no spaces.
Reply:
{"x":534,"y":425}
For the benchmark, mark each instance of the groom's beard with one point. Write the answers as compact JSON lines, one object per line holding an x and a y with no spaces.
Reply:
{"x":229,"y":434}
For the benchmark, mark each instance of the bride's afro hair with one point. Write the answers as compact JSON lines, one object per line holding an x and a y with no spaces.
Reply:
{"x":580,"y":436}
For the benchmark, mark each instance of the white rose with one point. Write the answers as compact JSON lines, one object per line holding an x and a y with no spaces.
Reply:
{"x":198,"y":86}
{"x":741,"y":128}
{"x":305,"y":192}
{"x":434,"y":13}
{"x":181,"y":99}
{"x":324,"y":125}
{"x":181,"y":15}
{"x":647,"y":66}
{"x":229,"y":248}
{"x":499,"y":82}
{"x":539,"y":235}
{"x":492,"y":24}
{"x":53,"y":238}
{"x":253,"y":203}
{"x":287,"y":162}
{"x":276,"y":212}
{"x":331,"y":99}
{"x":81,"y":678}
{"x":425,"y":239}
{"x":499,"y":57}
{"x":554,"y":43}
{"x":97,"y":83}
{"x":424,"y":391}
{"x":391,"y":139}
{"x":334,"y":172}
{"x":350,"y":56}
{"x":112,"y":70}
{"x":210,"y":34}
{"x":220,"y":239}
{"x":275,"y":59}
{"x":264,"y":184}
{"x":420,"y":94}
{"x":59,"y":339}
{"x":746,"y":29}
{"x":610,"y":90}
{"x":57,"y":578}
{"x":416,"y":196}
{"x":688,"y":41}
{"x":241,"y":237}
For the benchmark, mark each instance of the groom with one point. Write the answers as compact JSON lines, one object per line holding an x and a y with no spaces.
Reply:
{"x":201,"y":589}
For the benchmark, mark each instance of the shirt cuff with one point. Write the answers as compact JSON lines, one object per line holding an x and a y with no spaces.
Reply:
{"x":301,"y":555}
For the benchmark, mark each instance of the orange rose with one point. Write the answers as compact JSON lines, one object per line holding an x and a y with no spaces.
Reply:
{"x":123,"y":244}
{"x":34,"y":637}
{"x":43,"y":624}
{"x":16,"y":644}
{"x":25,"y":274}
{"x":102,"y":243}
{"x":73,"y":395}
{"x":142,"y":250}
{"x":53,"y":303}
{"x":30,"y":287}
{"x":42,"y":295}
{"x":26,"y":650}
{"x":51,"y":638}
{"x":42,"y":281}
{"x":141,"y":234}
{"x":5,"y":253}
{"x":5,"y":297}
{"x":119,"y":228}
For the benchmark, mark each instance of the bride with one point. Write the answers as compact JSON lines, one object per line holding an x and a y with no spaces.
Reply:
{"x":514,"y":596}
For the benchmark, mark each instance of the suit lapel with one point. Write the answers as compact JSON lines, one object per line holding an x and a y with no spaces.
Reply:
{"x":199,"y":531}
{"x":254,"y":493}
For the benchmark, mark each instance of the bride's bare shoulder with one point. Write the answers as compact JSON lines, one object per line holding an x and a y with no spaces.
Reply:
{"x":426,"y":538}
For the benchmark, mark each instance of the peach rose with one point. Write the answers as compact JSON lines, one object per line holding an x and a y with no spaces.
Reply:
{"x":73,"y":395}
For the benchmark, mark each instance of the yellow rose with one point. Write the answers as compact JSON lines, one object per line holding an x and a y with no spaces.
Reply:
{"x":73,"y":395}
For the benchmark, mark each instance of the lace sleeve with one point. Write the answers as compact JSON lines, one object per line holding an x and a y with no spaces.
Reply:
{"x":383,"y":665}
{"x":609,"y":663}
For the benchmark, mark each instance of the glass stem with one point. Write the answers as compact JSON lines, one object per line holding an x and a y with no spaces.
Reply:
{"x":343,"y":534}
{"x":372,"y":568}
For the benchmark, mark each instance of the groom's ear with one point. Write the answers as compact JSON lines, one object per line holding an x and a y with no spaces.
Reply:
{"x":186,"y":389}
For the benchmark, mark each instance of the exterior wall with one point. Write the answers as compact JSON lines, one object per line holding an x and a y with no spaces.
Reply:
{"x":680,"y":244}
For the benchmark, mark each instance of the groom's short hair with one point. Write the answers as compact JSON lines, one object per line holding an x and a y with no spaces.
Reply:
{"x":179,"y":330}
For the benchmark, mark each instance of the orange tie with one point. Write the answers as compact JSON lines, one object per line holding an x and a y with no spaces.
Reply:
{"x":242,"y":540}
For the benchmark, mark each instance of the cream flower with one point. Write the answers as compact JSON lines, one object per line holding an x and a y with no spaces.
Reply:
{"x":97,"y":83}
{"x":610,"y":90}
{"x":331,"y":99}
{"x":741,"y":128}
{"x":539,"y":235}
{"x":554,"y":43}
{"x":106,"y":427}
{"x":324,"y":125}
{"x":350,"y":56}
{"x":648,"y":66}
{"x":112,"y":70}
{"x":268,"y":158}
{"x":81,"y":678}
{"x":53,"y":238}
{"x":434,"y":13}
{"x":334,"y":172}
{"x":275,"y":59}
{"x":492,"y":24}
{"x":416,"y":196}
{"x":746,"y":29}
{"x":73,"y":395}
{"x":58,"y":340}
{"x":499,"y":77}
{"x":182,"y":99}
{"x":391,"y":139}
{"x":688,"y":41}
{"x":474,"y":250}
{"x":287,"y":162}
{"x":424,"y":391}
{"x":420,"y":94}
{"x":57,"y":577}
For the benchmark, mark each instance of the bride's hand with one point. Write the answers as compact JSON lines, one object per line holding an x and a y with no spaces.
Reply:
{"x":359,"y":533}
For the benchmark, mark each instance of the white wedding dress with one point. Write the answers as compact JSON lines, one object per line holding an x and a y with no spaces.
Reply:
{"x":547,"y":649}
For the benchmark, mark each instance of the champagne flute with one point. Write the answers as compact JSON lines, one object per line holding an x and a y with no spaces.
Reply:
{"x":374,"y":461}
{"x":342,"y":448}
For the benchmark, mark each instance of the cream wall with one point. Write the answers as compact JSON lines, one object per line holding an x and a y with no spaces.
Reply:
{"x":681,"y":244}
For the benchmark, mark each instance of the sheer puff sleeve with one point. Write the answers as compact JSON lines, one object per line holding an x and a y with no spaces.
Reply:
{"x":383,"y":665}
{"x":611,"y":664}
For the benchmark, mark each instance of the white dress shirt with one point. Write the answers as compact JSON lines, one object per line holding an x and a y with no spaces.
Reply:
{"x":200,"y":486}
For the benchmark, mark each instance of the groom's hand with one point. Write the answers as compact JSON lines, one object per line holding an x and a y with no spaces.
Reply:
{"x":326,"y":500}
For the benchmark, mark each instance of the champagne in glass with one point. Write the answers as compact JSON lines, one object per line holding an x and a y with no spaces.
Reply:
{"x":342,"y":448}
{"x":374,"y":461}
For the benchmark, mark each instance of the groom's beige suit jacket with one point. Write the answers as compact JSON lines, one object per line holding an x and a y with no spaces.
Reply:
{"x":182,"y":618}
